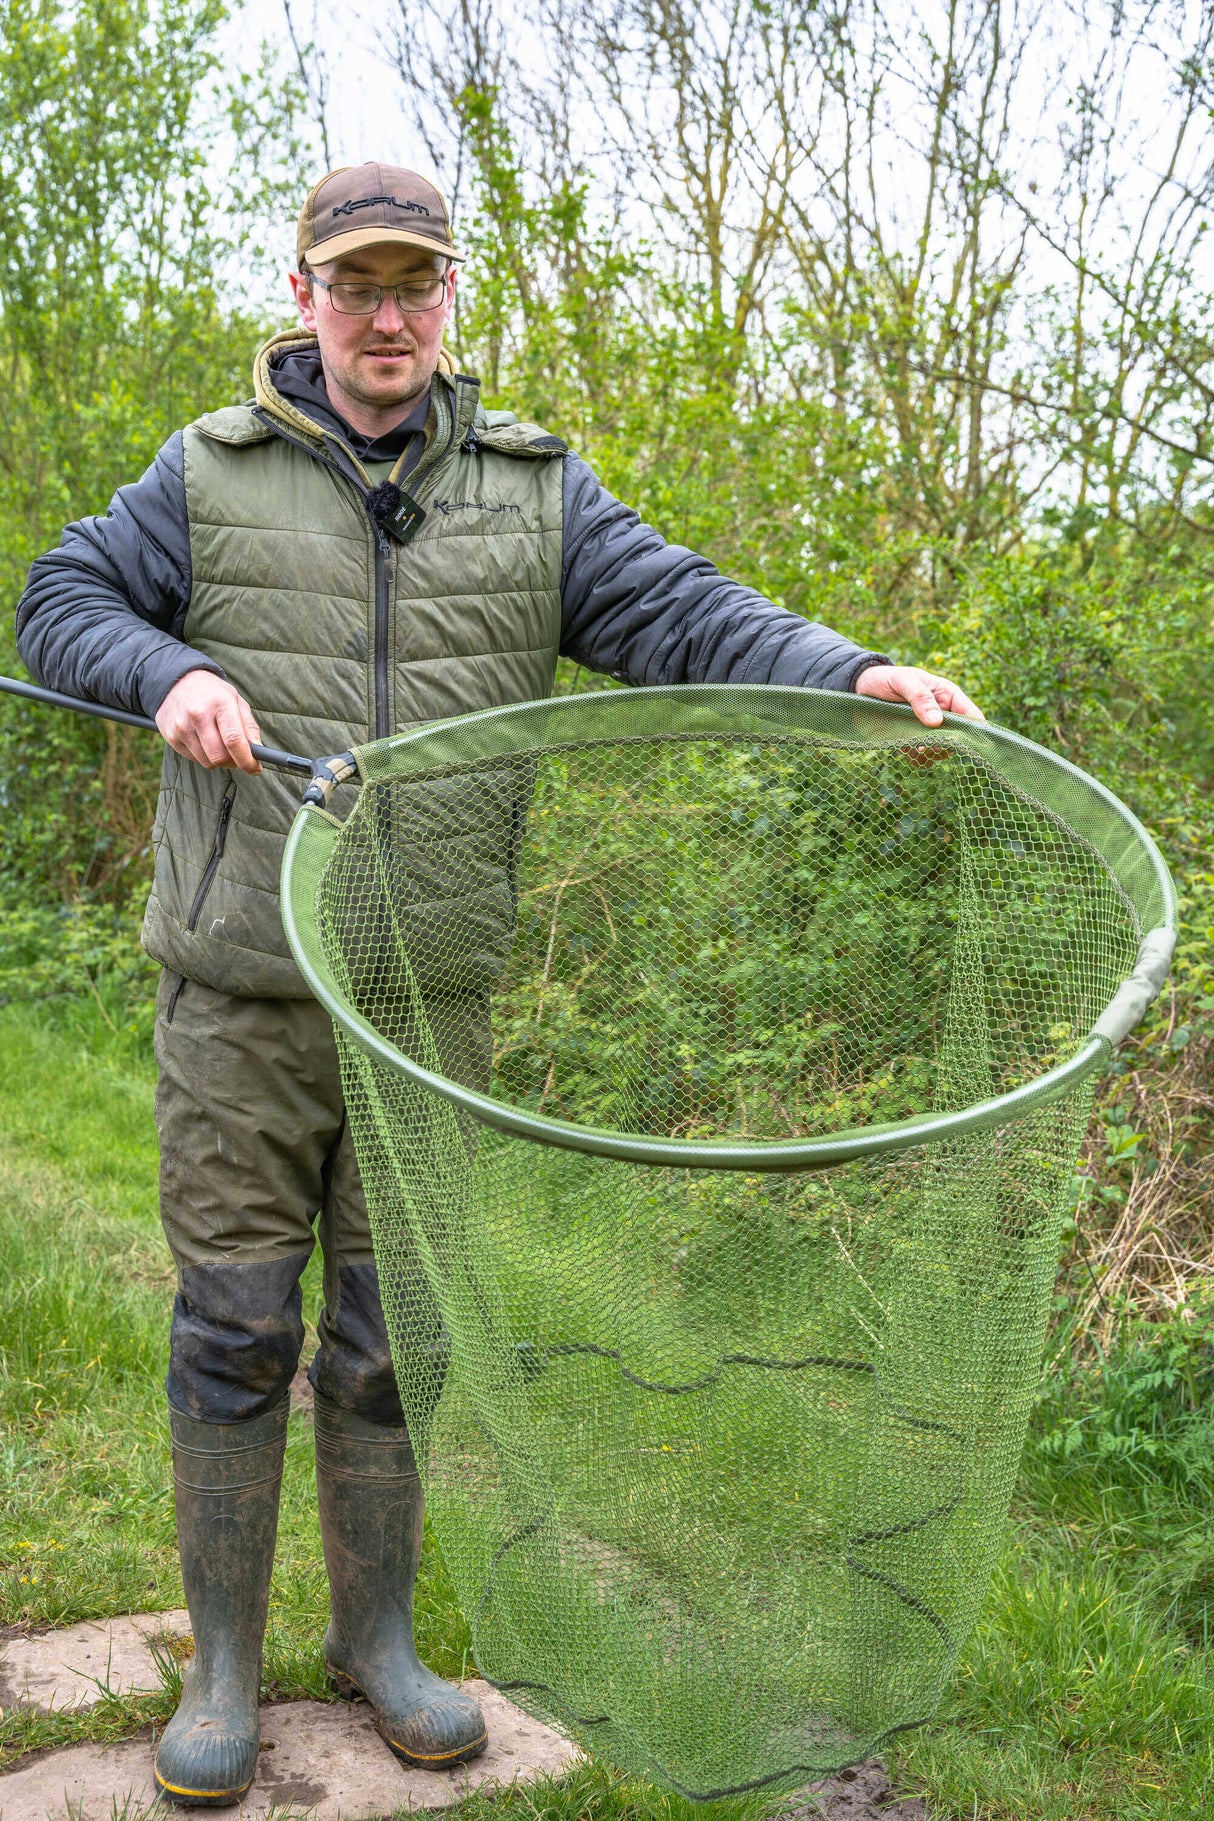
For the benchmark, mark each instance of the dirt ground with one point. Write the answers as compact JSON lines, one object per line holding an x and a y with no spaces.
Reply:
{"x":863,"y":1793}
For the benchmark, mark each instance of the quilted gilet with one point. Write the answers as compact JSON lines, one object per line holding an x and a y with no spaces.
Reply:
{"x":337,"y":634}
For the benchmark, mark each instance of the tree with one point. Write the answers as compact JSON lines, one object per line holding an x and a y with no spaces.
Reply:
{"x":137,"y":182}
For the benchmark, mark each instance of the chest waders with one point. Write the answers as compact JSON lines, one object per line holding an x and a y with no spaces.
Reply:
{"x":379,"y":619}
{"x":376,"y":623}
{"x":338,"y":615}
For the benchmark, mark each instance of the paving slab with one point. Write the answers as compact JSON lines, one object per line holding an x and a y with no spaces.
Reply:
{"x":75,"y":1666}
{"x":318,"y":1758}
{"x":322,"y":1759}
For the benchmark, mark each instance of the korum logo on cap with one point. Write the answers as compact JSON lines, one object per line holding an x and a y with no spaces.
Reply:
{"x":370,"y":205}
{"x":369,"y":202}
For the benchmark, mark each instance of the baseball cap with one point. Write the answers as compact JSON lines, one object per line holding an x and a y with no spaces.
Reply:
{"x":368,"y":205}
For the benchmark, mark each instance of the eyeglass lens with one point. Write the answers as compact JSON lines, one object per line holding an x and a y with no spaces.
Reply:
{"x":364,"y":300}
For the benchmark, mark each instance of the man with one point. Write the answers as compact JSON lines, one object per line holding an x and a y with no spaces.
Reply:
{"x":360,"y":548}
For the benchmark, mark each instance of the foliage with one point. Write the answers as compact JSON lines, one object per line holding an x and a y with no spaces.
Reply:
{"x":120,"y":311}
{"x":652,"y":956}
{"x":1146,"y":1414}
{"x":50,"y":953}
{"x":900,"y":348}
{"x":137,"y":178}
{"x":785,"y":377}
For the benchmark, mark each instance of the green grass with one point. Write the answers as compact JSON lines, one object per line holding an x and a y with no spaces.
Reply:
{"x":1088,"y":1687}
{"x":1086,"y":1693}
{"x":86,"y":1287}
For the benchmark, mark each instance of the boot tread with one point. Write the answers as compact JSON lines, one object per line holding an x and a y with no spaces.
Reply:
{"x":459,"y":1755}
{"x":202,"y":1795}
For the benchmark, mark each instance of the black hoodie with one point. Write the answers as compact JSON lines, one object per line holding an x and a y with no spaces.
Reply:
{"x":299,"y":376}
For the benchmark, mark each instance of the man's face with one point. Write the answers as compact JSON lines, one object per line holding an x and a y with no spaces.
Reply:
{"x":378,"y":363}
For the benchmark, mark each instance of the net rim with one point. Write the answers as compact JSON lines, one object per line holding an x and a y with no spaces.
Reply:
{"x":760,"y":710}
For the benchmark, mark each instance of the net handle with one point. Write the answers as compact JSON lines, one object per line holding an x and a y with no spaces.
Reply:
{"x":272,"y":756}
{"x":309,"y":844}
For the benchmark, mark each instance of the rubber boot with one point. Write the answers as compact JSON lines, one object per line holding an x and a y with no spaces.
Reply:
{"x":371,"y":1507}
{"x":227,"y":1478}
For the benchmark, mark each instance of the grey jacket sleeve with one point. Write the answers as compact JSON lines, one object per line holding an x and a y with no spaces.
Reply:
{"x":645,"y":611}
{"x":102,"y":615}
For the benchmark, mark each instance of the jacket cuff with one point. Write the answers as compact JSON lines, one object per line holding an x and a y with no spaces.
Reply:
{"x":867,"y":660}
{"x":162,"y":668}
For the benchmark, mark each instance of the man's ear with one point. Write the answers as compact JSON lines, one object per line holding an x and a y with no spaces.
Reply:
{"x":301,"y":290}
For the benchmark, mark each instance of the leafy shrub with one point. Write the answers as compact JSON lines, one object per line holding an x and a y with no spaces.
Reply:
{"x":1144,"y":1416}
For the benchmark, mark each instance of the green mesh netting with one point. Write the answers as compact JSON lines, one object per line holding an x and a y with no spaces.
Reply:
{"x":718,"y":1453}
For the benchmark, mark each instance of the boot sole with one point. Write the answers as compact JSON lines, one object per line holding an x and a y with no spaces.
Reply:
{"x":350,"y":1690}
{"x":200,"y":1798}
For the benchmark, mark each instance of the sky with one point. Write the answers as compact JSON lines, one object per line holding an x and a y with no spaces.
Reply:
{"x":365,"y":116}
{"x":1070,"y":43}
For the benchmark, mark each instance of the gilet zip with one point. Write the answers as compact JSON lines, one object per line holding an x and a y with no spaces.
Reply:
{"x":383,"y":580}
{"x":212,"y":865}
{"x":384,"y":563}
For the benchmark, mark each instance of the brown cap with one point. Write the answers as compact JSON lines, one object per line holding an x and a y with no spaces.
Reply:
{"x":370,"y":205}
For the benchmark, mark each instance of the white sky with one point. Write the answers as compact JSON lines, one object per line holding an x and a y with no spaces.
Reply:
{"x":366,"y":119}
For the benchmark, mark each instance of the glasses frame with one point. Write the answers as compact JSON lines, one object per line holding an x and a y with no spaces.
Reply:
{"x":313,"y":278}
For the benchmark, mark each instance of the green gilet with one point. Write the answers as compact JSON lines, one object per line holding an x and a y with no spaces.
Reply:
{"x":333,"y":642}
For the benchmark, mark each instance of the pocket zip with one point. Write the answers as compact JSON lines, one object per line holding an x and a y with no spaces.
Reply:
{"x":212,"y":865}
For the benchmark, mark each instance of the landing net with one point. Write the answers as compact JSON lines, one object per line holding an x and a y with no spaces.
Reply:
{"x":717,"y":1062}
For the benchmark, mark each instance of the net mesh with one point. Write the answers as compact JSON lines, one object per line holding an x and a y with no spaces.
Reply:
{"x":717,"y":1457}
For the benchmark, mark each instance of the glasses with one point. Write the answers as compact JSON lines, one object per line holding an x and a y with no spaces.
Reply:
{"x":413,"y":298}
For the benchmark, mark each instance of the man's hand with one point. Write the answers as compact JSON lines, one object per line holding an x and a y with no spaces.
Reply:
{"x":206,"y":720}
{"x":928,"y":695}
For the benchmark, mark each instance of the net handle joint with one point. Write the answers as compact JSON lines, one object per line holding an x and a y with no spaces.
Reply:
{"x":327,"y":774}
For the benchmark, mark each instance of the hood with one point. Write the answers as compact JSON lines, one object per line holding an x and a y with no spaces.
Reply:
{"x":301,"y":351}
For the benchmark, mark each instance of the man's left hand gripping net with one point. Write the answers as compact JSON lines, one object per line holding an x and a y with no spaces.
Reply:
{"x":717,"y":1061}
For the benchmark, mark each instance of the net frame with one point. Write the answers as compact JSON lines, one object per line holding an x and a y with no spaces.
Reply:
{"x":1077,"y":800}
{"x":903,"y":1440}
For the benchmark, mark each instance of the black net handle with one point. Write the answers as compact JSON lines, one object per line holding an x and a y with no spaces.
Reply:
{"x":272,"y":756}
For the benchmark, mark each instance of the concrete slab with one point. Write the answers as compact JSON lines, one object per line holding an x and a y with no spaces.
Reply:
{"x":74,"y":1666}
{"x":325,"y":1760}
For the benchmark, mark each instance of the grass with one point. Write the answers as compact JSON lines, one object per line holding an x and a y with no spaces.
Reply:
{"x":1088,"y":1688}
{"x":85,"y":1293}
{"x":1086,"y":1693}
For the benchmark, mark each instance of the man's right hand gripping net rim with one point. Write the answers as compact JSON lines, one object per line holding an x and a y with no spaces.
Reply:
{"x":717,"y":1061}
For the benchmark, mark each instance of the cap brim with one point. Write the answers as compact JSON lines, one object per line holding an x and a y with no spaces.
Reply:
{"x":338,"y":245}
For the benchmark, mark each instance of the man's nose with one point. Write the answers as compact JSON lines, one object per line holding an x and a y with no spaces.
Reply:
{"x":389,"y":319}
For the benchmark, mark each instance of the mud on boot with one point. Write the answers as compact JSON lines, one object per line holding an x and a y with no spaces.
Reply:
{"x":371,"y":1515}
{"x":226,"y":1478}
